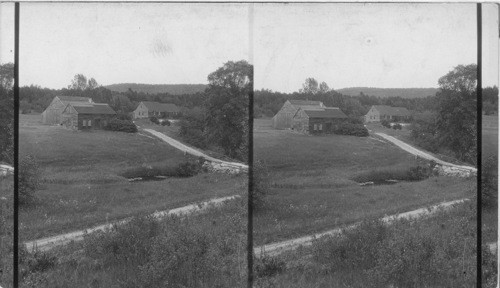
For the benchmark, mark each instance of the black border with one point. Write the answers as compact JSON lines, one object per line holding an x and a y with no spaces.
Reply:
{"x":16,"y":146}
{"x":479,"y":95}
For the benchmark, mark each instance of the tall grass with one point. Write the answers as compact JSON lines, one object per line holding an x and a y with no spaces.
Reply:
{"x":6,"y":231}
{"x":197,"y":251}
{"x":439,"y":251}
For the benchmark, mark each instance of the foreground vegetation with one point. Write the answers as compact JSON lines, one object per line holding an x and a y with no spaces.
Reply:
{"x":6,"y":231}
{"x":439,"y":251}
{"x":205,"y":250}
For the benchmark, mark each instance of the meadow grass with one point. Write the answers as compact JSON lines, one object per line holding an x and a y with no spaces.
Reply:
{"x":83,"y":183}
{"x":200,"y":250}
{"x":436,"y":251}
{"x":312,"y":188}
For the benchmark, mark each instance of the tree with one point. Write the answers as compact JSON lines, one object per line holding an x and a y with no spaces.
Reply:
{"x":310,"y":86}
{"x":79,"y":82}
{"x":227,"y":107}
{"x":323,"y":87}
{"x":6,"y":112}
{"x":92,"y":84}
{"x":456,"y":106}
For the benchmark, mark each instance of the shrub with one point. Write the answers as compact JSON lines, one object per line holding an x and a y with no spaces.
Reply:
{"x":414,"y":173}
{"x":268,"y":266}
{"x":261,"y":184}
{"x":489,"y":183}
{"x":124,"y":116}
{"x":188,"y":169}
{"x":418,"y":173}
{"x":29,"y":179}
{"x":397,"y":126}
{"x":165,"y":123}
{"x":121,"y":126}
{"x":347,"y":128}
{"x":185,"y":169}
{"x":154,"y":120}
{"x":385,"y":123}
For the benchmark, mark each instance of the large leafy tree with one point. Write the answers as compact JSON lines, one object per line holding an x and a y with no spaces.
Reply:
{"x":227,"y":107}
{"x":456,"y":124}
{"x":6,"y":112}
{"x":310,"y":86}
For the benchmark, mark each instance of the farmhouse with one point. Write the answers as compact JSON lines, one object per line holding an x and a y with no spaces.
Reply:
{"x":316,"y":121}
{"x":147,"y":109}
{"x":82,"y":116}
{"x":52,"y":115}
{"x":378,"y":113}
{"x":283,"y":119}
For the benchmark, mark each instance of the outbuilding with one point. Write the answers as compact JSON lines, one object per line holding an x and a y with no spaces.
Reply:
{"x":283,"y":119}
{"x":81,"y":116}
{"x":317,"y":121}
{"x":53,"y":113}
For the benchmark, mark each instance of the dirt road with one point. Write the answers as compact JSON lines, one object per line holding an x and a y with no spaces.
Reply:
{"x":423,"y":154}
{"x":58,"y":240}
{"x":288,"y":245}
{"x":217,"y":162}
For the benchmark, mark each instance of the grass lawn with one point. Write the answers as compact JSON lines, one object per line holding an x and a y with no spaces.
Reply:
{"x":81,"y":182}
{"x":311,"y":187}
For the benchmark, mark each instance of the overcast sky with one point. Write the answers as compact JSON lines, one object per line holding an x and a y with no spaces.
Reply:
{"x":345,"y":45}
{"x":142,"y":43}
{"x":374,"y":45}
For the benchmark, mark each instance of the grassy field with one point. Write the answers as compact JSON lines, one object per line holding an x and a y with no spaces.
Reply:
{"x":438,"y":251}
{"x":312,"y":188}
{"x":81,"y":182}
{"x":490,"y":149}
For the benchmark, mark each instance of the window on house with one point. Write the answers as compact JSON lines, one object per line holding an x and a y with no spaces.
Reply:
{"x":84,"y":123}
{"x":315,"y":127}
{"x":320,"y":127}
{"x":89,"y":123}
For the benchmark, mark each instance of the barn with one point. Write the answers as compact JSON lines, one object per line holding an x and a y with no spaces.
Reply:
{"x":378,"y":113}
{"x":52,"y":115}
{"x":86,"y":116}
{"x":147,"y":109}
{"x":316,"y":121}
{"x":283,"y":119}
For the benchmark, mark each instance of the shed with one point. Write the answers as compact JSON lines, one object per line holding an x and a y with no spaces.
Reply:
{"x":318,"y":120}
{"x":53,"y":113}
{"x":283,"y":119}
{"x":81,"y":116}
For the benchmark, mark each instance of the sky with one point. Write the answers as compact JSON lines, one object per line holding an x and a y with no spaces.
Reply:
{"x":155,"y":43}
{"x":345,"y":45}
{"x":372,"y":45}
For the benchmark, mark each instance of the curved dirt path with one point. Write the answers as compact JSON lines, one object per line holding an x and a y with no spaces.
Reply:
{"x":420,"y":153}
{"x":48,"y":243}
{"x":192,"y":151}
{"x":274,"y":249}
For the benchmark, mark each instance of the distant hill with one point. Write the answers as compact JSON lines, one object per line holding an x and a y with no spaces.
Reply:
{"x":389,"y":92}
{"x":173,"y":89}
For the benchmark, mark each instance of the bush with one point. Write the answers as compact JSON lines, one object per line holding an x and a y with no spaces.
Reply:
{"x":269,"y":266}
{"x":154,"y":120}
{"x":185,"y":169}
{"x":261,"y":184}
{"x":188,"y":169}
{"x":385,"y":123}
{"x":124,"y":116}
{"x":29,"y":179}
{"x":414,"y":173}
{"x":489,"y":183}
{"x":165,"y":123}
{"x":397,"y":126}
{"x":121,"y":126}
{"x":347,"y":128}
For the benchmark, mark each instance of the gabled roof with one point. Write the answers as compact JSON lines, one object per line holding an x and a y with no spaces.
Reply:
{"x":93,"y":108}
{"x":305,"y":103}
{"x":161,"y":107}
{"x":394,"y":111}
{"x":327,"y":112}
{"x":74,"y":99}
